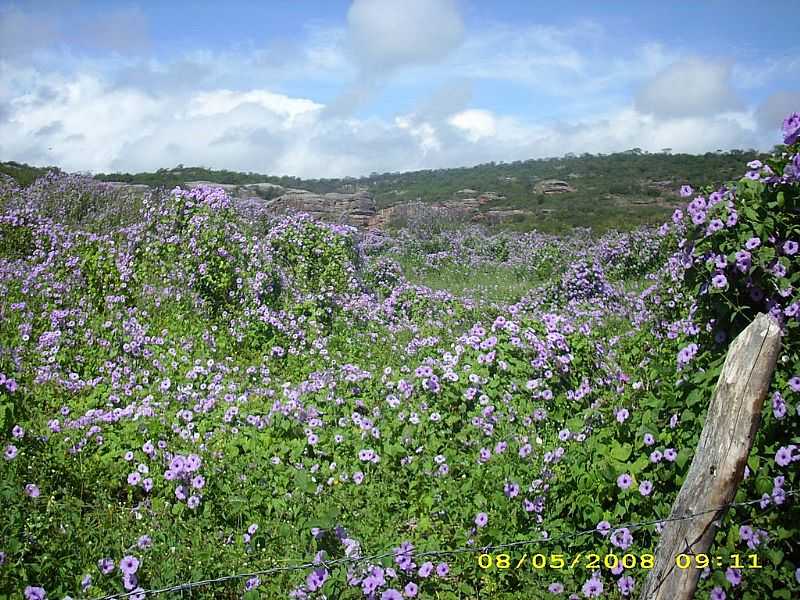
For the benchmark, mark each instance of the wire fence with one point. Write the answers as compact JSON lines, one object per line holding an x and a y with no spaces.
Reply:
{"x":328,"y":564}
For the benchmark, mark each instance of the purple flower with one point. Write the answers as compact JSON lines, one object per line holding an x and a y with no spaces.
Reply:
{"x":134,"y":478}
{"x":144,"y":542}
{"x":106,"y":565}
{"x":556,"y":588}
{"x":783,"y":456}
{"x":645,"y":488}
{"x":129,"y":565}
{"x":603,"y":527}
{"x":794,"y":383}
{"x":791,"y":128}
{"x":35,"y":593}
{"x":686,"y":191}
{"x":18,"y":432}
{"x":193,"y":501}
{"x":624,"y":481}
{"x":442,"y":569}
{"x":719,"y":281}
{"x":649,"y":440}
{"x":592,"y":588}
{"x":626,"y":585}
{"x":410,"y":590}
{"x":622,"y":538}
{"x":718,"y":593}
{"x":752,"y":243}
{"x":316,"y":579}
{"x":670,"y":454}
{"x":391,"y":594}
{"x":32,"y":490}
{"x":252,"y":583}
{"x":481,"y":519}
{"x":734,"y":576}
{"x":425,"y":570}
{"x":790,"y":247}
{"x":10,"y":452}
{"x":358,"y":477}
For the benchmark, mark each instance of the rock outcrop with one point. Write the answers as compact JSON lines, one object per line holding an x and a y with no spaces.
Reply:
{"x":356,"y":209}
{"x":553,"y":186}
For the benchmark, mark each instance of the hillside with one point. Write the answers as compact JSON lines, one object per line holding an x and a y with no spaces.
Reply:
{"x":615,"y":191}
{"x":620,"y":190}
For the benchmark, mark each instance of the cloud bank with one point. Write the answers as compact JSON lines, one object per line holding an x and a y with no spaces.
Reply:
{"x":394,"y":87}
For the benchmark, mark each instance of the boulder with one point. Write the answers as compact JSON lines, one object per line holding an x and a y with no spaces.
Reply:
{"x":553,"y":186}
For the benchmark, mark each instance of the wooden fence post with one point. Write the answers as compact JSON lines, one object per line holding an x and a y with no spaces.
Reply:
{"x":719,"y":460}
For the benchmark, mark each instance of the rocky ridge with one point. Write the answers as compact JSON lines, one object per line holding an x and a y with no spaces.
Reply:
{"x":357,"y":207}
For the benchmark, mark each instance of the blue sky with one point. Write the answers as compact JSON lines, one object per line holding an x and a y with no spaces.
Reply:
{"x":335,"y":88}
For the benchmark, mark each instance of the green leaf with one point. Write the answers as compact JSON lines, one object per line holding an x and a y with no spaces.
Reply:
{"x":621,"y":452}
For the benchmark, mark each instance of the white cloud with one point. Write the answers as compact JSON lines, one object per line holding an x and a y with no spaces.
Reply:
{"x":386,"y":34}
{"x":224,"y":101}
{"x":688,"y":88}
{"x":475,"y":123}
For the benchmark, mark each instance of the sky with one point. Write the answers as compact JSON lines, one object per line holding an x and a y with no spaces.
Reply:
{"x":330,"y":88}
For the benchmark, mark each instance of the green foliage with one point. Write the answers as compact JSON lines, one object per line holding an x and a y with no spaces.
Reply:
{"x":317,"y":259}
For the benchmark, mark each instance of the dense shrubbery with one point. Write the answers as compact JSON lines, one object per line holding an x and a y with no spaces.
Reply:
{"x":205,"y":392}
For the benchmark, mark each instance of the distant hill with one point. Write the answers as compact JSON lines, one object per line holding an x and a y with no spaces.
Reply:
{"x":619,"y":190}
{"x":24,"y":174}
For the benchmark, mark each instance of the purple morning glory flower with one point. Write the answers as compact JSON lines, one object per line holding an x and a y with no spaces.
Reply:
{"x":645,"y":488}
{"x":316,"y":579}
{"x":391,"y":594}
{"x":790,"y":247}
{"x":252,"y":583}
{"x":442,"y":569}
{"x":35,"y":593}
{"x":734,"y":576}
{"x":592,"y":588}
{"x":752,"y":243}
{"x":719,"y":281}
{"x":622,"y":538}
{"x":626,"y":585}
{"x":10,"y":452}
{"x":425,"y":570}
{"x":794,"y":383}
{"x":783,"y":456}
{"x":129,"y":565}
{"x":32,"y":490}
{"x":624,"y":481}
{"x":106,"y":565}
{"x":481,"y":519}
{"x":603,"y":527}
{"x":686,"y":191}
{"x":18,"y":432}
{"x":791,"y":128}
{"x":718,"y":593}
{"x":411,"y":589}
{"x":649,"y":440}
{"x":556,"y":588}
{"x":670,"y":454}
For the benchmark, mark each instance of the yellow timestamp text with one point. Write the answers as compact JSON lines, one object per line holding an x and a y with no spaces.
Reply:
{"x":579,"y":560}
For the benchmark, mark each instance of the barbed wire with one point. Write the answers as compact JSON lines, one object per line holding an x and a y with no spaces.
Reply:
{"x":328,"y":564}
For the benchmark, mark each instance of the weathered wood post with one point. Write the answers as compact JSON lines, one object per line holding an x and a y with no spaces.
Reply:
{"x":719,"y":460}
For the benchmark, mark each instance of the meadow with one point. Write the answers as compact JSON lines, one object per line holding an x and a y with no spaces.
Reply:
{"x":191,"y":389}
